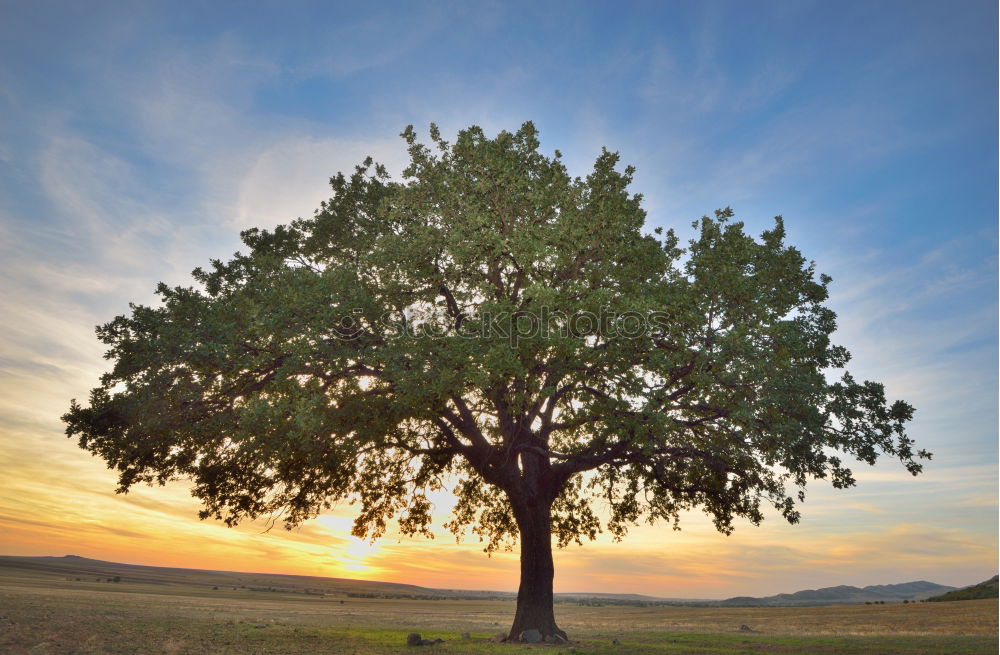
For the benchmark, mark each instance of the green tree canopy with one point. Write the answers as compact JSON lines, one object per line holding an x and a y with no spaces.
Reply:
{"x":491,"y":324}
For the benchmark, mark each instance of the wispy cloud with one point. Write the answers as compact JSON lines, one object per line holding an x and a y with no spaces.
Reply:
{"x":290,"y":178}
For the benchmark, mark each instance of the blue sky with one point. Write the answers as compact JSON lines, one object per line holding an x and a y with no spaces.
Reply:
{"x":137,"y":139}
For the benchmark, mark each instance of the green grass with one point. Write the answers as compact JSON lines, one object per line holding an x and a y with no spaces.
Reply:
{"x":186,"y":636}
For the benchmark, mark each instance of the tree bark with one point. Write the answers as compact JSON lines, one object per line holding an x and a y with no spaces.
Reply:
{"x":534,"y":596}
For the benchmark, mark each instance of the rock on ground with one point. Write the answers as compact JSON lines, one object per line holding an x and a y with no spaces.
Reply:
{"x":414,"y":639}
{"x":531,"y":636}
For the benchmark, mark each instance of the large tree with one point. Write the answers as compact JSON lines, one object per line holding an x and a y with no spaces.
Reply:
{"x":492,"y":325}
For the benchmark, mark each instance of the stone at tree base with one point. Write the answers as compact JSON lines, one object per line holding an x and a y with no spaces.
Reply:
{"x":531,"y":636}
{"x":555,"y":639}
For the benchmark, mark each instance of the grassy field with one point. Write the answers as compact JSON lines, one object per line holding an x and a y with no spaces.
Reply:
{"x":45,"y":614}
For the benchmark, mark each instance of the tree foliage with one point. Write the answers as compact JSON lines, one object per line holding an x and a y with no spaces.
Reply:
{"x":473,"y":325}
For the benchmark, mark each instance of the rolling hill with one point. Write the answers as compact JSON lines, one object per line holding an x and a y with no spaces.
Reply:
{"x":72,"y":567}
{"x":988,"y":589}
{"x":844,"y":594}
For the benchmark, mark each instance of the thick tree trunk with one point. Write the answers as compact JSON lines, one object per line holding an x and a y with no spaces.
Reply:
{"x":534,"y":596}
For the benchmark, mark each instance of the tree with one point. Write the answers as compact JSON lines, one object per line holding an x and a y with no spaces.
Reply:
{"x":491,"y":324}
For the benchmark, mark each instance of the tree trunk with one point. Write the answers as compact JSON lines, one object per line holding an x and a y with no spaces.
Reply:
{"x":534,"y":596}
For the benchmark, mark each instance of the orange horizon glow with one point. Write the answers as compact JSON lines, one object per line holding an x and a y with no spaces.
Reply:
{"x":158,"y":527}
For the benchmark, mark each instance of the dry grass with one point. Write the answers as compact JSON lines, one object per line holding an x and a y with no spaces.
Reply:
{"x":48,"y":616}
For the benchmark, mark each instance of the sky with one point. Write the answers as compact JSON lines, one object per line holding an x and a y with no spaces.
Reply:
{"x":137,"y":139}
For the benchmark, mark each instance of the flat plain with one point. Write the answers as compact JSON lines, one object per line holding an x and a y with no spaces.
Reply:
{"x":45,"y":614}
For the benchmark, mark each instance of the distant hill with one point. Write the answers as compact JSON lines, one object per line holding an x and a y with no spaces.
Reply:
{"x":844,"y":594}
{"x":73,"y":566}
{"x":629,"y":599}
{"x":987,"y":589}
